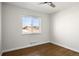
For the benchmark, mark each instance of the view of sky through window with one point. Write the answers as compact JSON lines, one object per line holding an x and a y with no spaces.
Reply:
{"x":30,"y":24}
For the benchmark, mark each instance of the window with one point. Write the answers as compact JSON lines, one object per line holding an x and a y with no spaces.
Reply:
{"x":30,"y":24}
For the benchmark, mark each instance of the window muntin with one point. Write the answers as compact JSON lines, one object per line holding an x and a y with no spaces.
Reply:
{"x":31,"y":24}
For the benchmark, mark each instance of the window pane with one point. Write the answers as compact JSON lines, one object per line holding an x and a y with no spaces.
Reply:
{"x":35,"y":25}
{"x":26,"y":27}
{"x":30,"y":24}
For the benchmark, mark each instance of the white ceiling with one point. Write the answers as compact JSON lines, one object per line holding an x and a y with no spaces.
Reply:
{"x":44,"y":8}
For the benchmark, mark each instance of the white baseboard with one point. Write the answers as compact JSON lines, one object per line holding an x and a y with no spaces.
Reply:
{"x":39,"y":44}
{"x":65,"y":46}
{"x":24,"y":46}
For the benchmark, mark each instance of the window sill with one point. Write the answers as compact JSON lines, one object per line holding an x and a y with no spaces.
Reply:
{"x":31,"y":33}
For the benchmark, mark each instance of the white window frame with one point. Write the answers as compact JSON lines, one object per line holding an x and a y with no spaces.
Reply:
{"x":39,"y":18}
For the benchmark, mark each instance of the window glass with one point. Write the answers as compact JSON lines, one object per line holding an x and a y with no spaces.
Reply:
{"x":30,"y":25}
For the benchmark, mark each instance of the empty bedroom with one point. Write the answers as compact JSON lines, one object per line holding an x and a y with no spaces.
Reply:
{"x":39,"y":28}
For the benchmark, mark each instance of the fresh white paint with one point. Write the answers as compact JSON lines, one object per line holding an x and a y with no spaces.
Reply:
{"x":36,"y":6}
{"x":65,"y":28}
{"x":60,"y":27}
{"x":0,"y":29}
{"x":12,"y":28}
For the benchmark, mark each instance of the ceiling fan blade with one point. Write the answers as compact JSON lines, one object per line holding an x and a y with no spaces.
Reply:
{"x":52,"y":5}
{"x":43,"y":2}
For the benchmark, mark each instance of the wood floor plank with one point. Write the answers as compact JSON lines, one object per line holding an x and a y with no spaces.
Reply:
{"x":47,"y":49}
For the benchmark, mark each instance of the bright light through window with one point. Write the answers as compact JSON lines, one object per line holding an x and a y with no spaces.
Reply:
{"x":30,"y":24}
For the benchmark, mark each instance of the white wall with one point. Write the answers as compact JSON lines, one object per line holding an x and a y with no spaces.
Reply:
{"x":65,"y":28}
{"x":0,"y":26}
{"x":12,"y":28}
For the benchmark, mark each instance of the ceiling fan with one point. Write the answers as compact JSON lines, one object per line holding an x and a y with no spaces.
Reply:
{"x":49,"y":3}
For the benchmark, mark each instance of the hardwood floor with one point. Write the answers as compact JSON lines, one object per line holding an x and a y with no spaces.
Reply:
{"x":42,"y":50}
